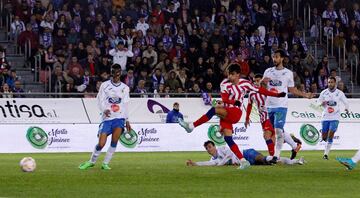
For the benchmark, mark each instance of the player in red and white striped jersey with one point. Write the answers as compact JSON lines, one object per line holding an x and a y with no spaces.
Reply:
{"x":259,"y":100}
{"x":233,"y":91}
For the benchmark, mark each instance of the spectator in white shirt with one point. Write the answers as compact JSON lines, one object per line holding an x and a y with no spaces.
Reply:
{"x":17,"y":26}
{"x":142,"y":25}
{"x":120,"y":54}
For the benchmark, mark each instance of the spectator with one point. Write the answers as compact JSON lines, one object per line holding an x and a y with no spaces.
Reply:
{"x":172,"y":82}
{"x":141,"y":89}
{"x":322,"y":80}
{"x":10,"y":80}
{"x":16,"y":27}
{"x":174,"y":115}
{"x":334,"y":74}
{"x":120,"y":54}
{"x":6,"y":91}
{"x":142,"y":25}
{"x":29,"y":35}
{"x":151,"y":55}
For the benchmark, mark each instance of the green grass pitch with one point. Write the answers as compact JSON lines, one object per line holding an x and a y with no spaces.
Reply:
{"x":165,"y":175}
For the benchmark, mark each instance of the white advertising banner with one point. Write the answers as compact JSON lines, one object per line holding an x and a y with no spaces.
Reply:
{"x":42,"y":110}
{"x":151,"y":137}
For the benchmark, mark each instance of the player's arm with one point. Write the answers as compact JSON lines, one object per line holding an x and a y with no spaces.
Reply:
{"x":248,"y":111}
{"x":112,"y":52}
{"x":263,"y":91}
{"x":101,"y":101}
{"x":344,"y":100}
{"x":126,"y":101}
{"x":297,"y":92}
{"x":203,"y":163}
{"x":321,"y":100}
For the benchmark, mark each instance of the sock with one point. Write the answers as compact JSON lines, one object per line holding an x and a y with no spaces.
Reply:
{"x":271,"y":146}
{"x":356,"y":157}
{"x":288,"y":161}
{"x":110,"y":152}
{"x":289,"y":140}
{"x":95,"y":154}
{"x":327,"y":148}
{"x":279,"y":142}
{"x":234,"y":148}
{"x":205,"y":117}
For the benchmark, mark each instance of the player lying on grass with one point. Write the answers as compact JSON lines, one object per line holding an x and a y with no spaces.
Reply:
{"x":222,"y":155}
{"x":350,"y":163}
{"x":233,"y":90}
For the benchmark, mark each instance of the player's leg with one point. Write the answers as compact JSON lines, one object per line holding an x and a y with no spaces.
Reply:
{"x":325,"y":134}
{"x":295,"y":145}
{"x":279,"y":122}
{"x":288,"y":161}
{"x":219,"y":111}
{"x":350,"y":163}
{"x":332,"y":129}
{"x":269,"y":136}
{"x":117,"y":128}
{"x":104,"y":130}
{"x":226,"y":129}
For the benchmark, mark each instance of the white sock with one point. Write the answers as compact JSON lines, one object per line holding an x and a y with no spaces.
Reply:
{"x":356,"y":157}
{"x":95,"y":155}
{"x":109,"y":154}
{"x":279,"y":142}
{"x":289,"y":140}
{"x":327,"y":148}
{"x":288,"y":161}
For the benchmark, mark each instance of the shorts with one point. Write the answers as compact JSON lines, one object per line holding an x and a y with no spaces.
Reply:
{"x":108,"y":126}
{"x":267,"y":126}
{"x":233,"y":116}
{"x":250,"y":155}
{"x":329,"y":125}
{"x":277,"y":117}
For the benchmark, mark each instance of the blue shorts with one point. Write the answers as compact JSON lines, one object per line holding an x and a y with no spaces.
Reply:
{"x":108,"y":126}
{"x":250,"y":155}
{"x":329,"y":125}
{"x":277,"y":117}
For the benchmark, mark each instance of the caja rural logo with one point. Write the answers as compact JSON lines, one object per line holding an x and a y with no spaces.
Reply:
{"x":40,"y":139}
{"x":132,"y":138}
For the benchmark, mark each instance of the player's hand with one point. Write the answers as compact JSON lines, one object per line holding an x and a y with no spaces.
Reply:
{"x":247,"y":123}
{"x":237,"y":103}
{"x":128,"y":126}
{"x":266,"y":80}
{"x":107,"y":113}
{"x":282,"y":94}
{"x":190,"y":163}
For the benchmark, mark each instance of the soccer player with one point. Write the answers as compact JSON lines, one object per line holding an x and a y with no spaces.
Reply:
{"x":350,"y":163}
{"x":233,"y":91}
{"x":330,"y":99}
{"x":281,"y":79}
{"x":112,"y":99}
{"x":259,"y":100}
{"x":222,"y":155}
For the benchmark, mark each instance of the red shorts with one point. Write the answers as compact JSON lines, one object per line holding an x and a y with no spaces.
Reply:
{"x":267,"y":126}
{"x":233,"y":116}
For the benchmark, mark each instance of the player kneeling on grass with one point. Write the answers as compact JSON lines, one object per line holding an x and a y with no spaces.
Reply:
{"x":350,"y":163}
{"x":233,"y":90}
{"x":112,"y":99}
{"x":222,"y":155}
{"x":330,"y":99}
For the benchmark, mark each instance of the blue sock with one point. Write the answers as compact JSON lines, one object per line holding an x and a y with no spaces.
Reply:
{"x":98,"y":148}
{"x":210,"y":113}
{"x":269,"y":141}
{"x":229,"y":140}
{"x":330,"y":140}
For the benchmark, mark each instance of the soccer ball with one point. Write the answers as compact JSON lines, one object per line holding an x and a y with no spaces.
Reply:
{"x":27,"y":164}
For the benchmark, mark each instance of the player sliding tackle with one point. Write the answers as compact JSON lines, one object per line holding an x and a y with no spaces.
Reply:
{"x":222,"y":155}
{"x":330,"y":99}
{"x":113,"y":98}
{"x":233,"y":90}
{"x":281,"y":79}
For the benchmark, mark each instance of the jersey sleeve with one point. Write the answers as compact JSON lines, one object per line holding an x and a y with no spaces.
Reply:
{"x":291,"y":82}
{"x":321,"y":99}
{"x":207,"y":163}
{"x":226,"y":156}
{"x":344,"y":100}
{"x":126,"y":102}
{"x":101,"y":98}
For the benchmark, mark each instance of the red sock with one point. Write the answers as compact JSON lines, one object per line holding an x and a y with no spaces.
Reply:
{"x":235,"y":149}
{"x":270,"y":144}
{"x":201,"y":120}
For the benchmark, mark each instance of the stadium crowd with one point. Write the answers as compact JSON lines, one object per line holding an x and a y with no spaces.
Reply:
{"x":172,"y":46}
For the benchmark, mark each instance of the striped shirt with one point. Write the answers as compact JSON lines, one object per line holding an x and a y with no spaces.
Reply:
{"x":231,"y":93}
{"x":259,"y":100}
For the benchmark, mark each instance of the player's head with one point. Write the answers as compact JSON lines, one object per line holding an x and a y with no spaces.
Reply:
{"x":278,"y":57}
{"x":116,"y":71}
{"x":234,"y":72}
{"x":332,"y":83}
{"x":210,"y":147}
{"x":258,"y":80}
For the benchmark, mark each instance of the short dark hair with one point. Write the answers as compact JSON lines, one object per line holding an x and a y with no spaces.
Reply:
{"x":332,"y":78}
{"x":209,"y":142}
{"x":115,"y":66}
{"x":281,"y":52}
{"x":234,"y":67}
{"x":258,"y":76}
